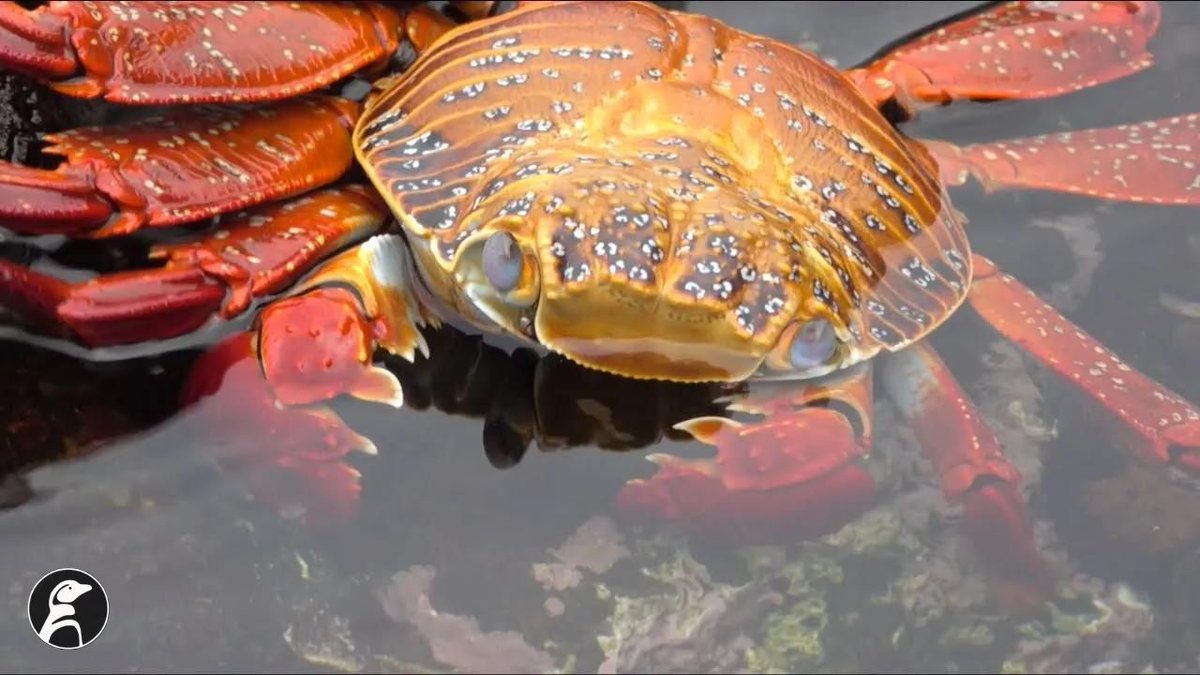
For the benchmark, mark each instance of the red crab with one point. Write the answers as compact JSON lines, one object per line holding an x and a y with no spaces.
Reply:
{"x":648,"y":193}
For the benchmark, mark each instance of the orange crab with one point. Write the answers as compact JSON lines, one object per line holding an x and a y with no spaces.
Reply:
{"x":648,"y":193}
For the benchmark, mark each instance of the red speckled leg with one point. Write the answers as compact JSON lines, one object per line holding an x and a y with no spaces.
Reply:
{"x":152,"y":53}
{"x":1015,"y":50}
{"x":792,"y":474}
{"x":252,"y":255}
{"x":261,"y":393}
{"x":972,"y":470}
{"x":1152,"y":162}
{"x":1148,"y":419}
{"x":187,"y":165}
{"x":121,"y":308}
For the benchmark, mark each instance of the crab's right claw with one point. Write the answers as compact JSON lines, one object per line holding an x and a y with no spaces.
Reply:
{"x":791,"y":475}
{"x":265,"y":395}
{"x":262,"y":396}
{"x":1014,"y":50}
{"x":292,"y":459}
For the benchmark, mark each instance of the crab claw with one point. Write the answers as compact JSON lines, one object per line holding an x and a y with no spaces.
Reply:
{"x":318,"y":346}
{"x":178,"y":168}
{"x":1151,"y":162}
{"x":696,"y":495}
{"x":315,"y":345}
{"x":1014,"y":50}
{"x":292,"y":459}
{"x":790,"y":475}
{"x":153,"y":53}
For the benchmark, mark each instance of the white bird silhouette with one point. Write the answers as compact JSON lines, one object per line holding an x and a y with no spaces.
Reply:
{"x":65,"y":593}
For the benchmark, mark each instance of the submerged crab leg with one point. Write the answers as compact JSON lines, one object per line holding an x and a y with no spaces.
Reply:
{"x":252,"y":255}
{"x":1151,"y":421}
{"x":794,"y":473}
{"x":1014,"y":50}
{"x":1153,"y":161}
{"x":971,"y":469}
{"x":175,"y":52}
{"x":188,"y":165}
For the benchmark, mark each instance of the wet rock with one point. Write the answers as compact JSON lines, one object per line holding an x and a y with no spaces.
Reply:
{"x":595,"y":547}
{"x":454,"y":640}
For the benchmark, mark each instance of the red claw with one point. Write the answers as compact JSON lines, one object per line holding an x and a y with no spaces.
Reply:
{"x":249,"y":392}
{"x":700,"y":497}
{"x":1015,"y":50}
{"x":792,"y":474}
{"x":188,"y":165}
{"x":292,"y":459}
{"x":318,"y":346}
{"x":192,"y":52}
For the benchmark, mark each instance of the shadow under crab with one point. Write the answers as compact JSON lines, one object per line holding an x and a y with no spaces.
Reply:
{"x":671,"y":199}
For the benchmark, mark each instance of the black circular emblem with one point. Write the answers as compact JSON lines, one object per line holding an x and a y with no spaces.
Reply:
{"x":68,"y":608}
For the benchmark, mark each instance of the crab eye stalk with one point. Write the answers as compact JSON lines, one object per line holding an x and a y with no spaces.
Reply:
{"x":813,"y":345}
{"x":502,"y":261}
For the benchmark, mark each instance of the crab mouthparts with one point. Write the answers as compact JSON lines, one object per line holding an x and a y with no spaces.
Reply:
{"x":649,"y":340}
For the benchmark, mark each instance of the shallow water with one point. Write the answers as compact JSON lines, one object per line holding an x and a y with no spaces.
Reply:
{"x":198,"y":576}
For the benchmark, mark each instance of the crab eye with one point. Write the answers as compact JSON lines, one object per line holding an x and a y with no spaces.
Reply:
{"x":502,"y":261}
{"x":812,"y":345}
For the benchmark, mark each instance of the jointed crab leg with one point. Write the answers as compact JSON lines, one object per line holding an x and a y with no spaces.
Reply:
{"x":177,"y":169}
{"x":1015,"y":50}
{"x":251,"y":255}
{"x":1150,"y":420}
{"x":175,"y":52}
{"x":971,"y":468}
{"x":1153,"y":161}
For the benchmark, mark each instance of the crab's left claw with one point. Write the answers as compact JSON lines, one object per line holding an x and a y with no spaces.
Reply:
{"x":1014,"y":50}
{"x":792,"y":474}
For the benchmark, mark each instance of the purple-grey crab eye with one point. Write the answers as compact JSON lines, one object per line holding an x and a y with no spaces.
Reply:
{"x":502,"y":261}
{"x":812,"y":345}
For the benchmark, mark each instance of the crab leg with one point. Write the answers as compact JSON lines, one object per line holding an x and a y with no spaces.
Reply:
{"x":151,"y":53}
{"x":1014,"y":50}
{"x":972,"y":471}
{"x":188,"y":165}
{"x":1152,"y":162}
{"x":253,"y":254}
{"x":1151,"y":421}
{"x":792,"y":474}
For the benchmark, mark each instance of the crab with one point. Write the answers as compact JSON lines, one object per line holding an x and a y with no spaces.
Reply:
{"x":647,"y":193}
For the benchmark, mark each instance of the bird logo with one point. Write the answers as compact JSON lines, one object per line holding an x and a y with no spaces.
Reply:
{"x":68,"y":608}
